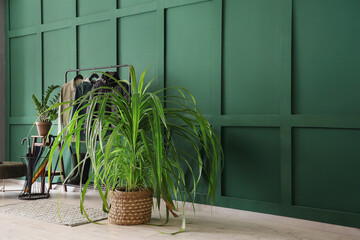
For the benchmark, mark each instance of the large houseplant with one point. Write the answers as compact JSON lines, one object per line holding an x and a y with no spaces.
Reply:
{"x":46,"y":116}
{"x":132,"y":149}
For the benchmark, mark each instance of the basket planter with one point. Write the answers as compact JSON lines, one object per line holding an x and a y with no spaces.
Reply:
{"x":130,"y":208}
{"x":43,"y":128}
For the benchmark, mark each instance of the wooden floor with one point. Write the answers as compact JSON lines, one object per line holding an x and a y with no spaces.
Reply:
{"x":208,"y":223}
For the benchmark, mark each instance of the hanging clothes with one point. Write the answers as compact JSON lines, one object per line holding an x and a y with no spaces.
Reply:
{"x":67,"y":93}
{"x":106,"y":81}
{"x":113,"y":86}
{"x":81,"y":90}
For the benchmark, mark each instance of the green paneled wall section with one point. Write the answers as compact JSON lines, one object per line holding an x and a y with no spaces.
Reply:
{"x":327,"y":175}
{"x":189,"y":51}
{"x":19,"y":14}
{"x":87,"y":7}
{"x":277,"y":79}
{"x":252,"y":54}
{"x":128,"y":3}
{"x":54,"y":43}
{"x":142,"y":52}
{"x":95,"y":44}
{"x":257,"y":175}
{"x":23,"y":83}
{"x":332,"y":71}
{"x":55,"y":10}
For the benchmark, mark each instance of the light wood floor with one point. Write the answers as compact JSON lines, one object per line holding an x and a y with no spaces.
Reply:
{"x":208,"y":223}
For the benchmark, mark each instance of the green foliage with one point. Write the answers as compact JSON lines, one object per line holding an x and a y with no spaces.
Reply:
{"x":131,"y":144}
{"x":43,"y":112}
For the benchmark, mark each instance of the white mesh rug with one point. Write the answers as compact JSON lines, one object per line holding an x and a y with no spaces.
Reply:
{"x":47,"y":210}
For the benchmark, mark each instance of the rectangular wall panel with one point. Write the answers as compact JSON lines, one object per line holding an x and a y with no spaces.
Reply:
{"x":130,"y":3}
{"x":95,"y":45}
{"x":22,"y":13}
{"x":56,"y":56}
{"x":137,"y":44}
{"x":55,"y":10}
{"x":326,"y":169}
{"x":24,"y":82}
{"x":251,"y":56}
{"x":252,"y":163}
{"x":189,"y":51}
{"x":186,"y":151}
{"x":326,"y":57}
{"x":87,"y":7}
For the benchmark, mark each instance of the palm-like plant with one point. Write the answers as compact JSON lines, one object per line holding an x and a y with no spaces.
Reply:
{"x":131,"y":143}
{"x":42,"y":106}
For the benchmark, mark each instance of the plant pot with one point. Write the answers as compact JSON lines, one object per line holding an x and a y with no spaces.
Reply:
{"x":43,"y":128}
{"x":130,"y":208}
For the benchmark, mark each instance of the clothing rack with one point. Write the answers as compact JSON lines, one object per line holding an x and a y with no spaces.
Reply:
{"x":96,"y":68}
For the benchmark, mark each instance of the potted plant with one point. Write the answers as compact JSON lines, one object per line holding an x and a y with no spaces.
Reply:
{"x":131,"y":144}
{"x":46,"y":115}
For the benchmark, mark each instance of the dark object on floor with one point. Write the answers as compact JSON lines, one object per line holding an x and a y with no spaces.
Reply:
{"x":75,"y":180}
{"x":74,"y":163}
{"x":12,"y":170}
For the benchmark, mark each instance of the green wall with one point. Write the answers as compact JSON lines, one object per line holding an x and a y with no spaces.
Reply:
{"x":278,"y":80}
{"x":2,"y":85}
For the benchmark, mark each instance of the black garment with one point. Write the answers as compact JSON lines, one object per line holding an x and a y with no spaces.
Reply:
{"x":106,"y":81}
{"x":113,"y":86}
{"x":81,"y":90}
{"x":81,"y":172}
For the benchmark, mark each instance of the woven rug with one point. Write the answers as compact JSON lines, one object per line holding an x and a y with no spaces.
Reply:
{"x":47,"y":210}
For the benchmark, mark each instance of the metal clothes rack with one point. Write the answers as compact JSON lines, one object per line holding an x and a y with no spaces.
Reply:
{"x":96,"y":68}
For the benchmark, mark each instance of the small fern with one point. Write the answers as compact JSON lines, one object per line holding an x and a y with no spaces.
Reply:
{"x":42,"y":107}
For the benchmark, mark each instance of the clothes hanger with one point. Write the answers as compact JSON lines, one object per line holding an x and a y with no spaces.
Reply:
{"x":79,"y":76}
{"x":78,"y":79}
{"x":94,"y":75}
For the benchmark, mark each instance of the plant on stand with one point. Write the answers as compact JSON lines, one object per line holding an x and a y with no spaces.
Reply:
{"x":131,"y":144}
{"x":46,"y":115}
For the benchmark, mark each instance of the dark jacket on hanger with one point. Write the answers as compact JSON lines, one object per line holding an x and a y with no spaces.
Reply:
{"x":106,"y":81}
{"x":81,"y":90}
{"x":109,"y":82}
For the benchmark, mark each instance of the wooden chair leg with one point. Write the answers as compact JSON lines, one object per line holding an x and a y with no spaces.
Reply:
{"x":3,"y":185}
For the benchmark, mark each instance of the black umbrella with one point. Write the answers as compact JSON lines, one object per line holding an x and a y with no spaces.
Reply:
{"x":30,"y":159}
{"x":28,"y":154}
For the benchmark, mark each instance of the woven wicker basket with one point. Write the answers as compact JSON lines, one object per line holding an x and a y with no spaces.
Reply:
{"x":130,"y":208}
